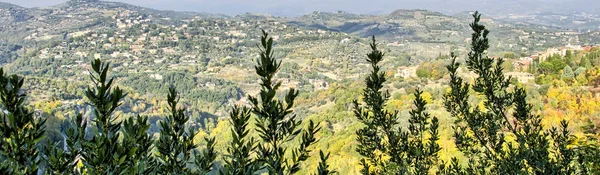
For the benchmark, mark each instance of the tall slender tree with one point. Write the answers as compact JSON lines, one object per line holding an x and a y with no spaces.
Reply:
{"x":105,"y":155}
{"x":205,"y":160}
{"x":240,"y":150}
{"x":423,"y":136}
{"x":20,"y":130}
{"x":382,"y":143}
{"x":110,"y":151}
{"x":109,"y":147}
{"x":176,"y":147}
{"x":482,"y":134}
{"x":275,"y":123}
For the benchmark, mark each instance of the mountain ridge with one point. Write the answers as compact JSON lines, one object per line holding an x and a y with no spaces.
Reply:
{"x":32,"y":25}
{"x":9,"y":5}
{"x":508,"y":16}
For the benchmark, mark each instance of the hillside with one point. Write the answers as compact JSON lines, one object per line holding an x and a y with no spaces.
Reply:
{"x":4,"y":5}
{"x":31,"y":25}
{"x":210,"y":58}
{"x":146,"y":44}
{"x":35,"y":26}
{"x":418,"y":25}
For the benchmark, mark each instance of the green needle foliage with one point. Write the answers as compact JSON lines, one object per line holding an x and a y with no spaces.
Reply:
{"x":481,"y":134}
{"x":385,"y":147}
{"x":239,"y":152}
{"x":375,"y":118}
{"x":423,"y":137}
{"x":276,"y":125}
{"x":20,"y":130}
{"x":175,"y":145}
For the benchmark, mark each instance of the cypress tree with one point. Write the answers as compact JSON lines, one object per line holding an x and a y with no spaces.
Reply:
{"x":569,"y":58}
{"x":585,"y":62}
{"x":275,"y":123}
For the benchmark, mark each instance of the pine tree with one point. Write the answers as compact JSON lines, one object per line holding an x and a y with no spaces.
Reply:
{"x":176,"y":148}
{"x":384,"y":146}
{"x":580,"y":71}
{"x":275,"y":123}
{"x":481,"y":134}
{"x":20,"y":130}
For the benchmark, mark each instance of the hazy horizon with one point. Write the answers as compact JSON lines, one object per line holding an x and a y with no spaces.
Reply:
{"x":300,"y":7}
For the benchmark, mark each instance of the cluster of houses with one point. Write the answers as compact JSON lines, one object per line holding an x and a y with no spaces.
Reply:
{"x":562,"y":51}
{"x":127,"y":18}
{"x":143,"y":48}
{"x":524,"y":63}
{"x":318,"y":84}
{"x":521,"y":65}
{"x":406,"y":72}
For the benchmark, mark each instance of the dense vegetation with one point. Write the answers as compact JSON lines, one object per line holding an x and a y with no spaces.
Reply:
{"x":405,"y":152}
{"x":481,"y":133}
{"x":494,"y":125}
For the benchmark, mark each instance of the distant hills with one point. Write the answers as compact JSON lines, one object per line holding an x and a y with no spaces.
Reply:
{"x":34,"y":26}
{"x":72,"y":16}
{"x":5,"y":5}
{"x":400,"y":24}
{"x":210,"y":55}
